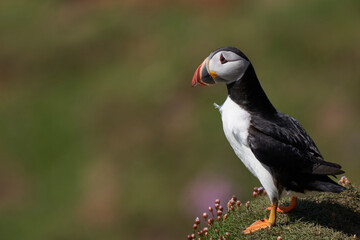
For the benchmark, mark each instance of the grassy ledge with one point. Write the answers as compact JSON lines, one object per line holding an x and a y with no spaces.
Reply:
{"x":319,"y":216}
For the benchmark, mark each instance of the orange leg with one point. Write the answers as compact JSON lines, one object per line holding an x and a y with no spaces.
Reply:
{"x":286,"y":209}
{"x":264,"y":223}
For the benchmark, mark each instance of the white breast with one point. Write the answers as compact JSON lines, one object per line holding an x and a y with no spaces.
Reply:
{"x":236,"y":122}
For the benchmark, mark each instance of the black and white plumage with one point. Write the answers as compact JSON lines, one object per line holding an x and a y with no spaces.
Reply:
{"x":271,"y":144}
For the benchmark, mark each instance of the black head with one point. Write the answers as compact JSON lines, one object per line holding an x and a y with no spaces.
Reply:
{"x":226,"y":65}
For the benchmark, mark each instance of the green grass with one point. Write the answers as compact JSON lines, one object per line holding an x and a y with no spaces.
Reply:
{"x":320,"y":216}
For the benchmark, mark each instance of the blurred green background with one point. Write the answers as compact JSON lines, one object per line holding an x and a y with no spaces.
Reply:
{"x":101,"y":134}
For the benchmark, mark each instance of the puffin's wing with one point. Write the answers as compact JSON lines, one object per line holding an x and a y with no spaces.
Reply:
{"x":283,"y":143}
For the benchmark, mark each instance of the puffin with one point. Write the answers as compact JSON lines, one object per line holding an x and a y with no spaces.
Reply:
{"x":272,"y":145}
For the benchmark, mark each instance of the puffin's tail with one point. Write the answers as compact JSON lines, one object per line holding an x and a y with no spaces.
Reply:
{"x":325,"y":184}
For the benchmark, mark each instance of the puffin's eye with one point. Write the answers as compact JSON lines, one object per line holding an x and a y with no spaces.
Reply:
{"x":222,"y":59}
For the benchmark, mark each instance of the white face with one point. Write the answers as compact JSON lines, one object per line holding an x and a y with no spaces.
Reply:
{"x":226,"y":66}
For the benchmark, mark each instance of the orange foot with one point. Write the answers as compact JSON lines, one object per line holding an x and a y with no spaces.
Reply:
{"x":260,"y":224}
{"x":286,"y":209}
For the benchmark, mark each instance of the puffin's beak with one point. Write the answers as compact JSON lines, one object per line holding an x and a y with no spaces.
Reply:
{"x":202,"y":76}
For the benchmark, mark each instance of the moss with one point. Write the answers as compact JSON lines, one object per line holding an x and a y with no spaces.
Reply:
{"x":319,"y":216}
